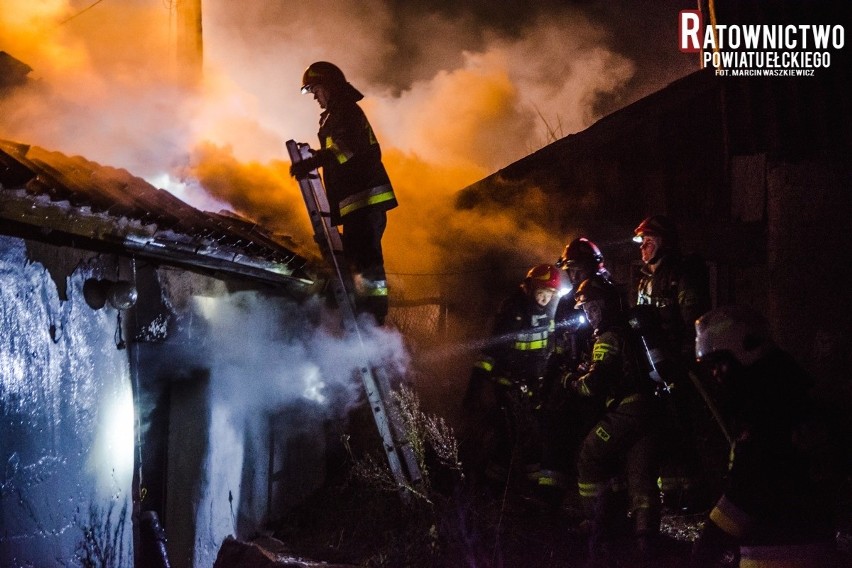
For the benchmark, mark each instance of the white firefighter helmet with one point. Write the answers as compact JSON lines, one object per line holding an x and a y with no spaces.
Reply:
{"x":736,"y":330}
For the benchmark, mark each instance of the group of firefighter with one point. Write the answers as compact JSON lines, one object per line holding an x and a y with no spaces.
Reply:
{"x":645,"y":397}
{"x":650,"y":401}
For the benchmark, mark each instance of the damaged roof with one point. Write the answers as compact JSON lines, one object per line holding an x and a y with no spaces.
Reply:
{"x":72,"y":201}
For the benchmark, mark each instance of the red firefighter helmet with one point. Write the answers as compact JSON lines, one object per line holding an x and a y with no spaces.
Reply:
{"x":322,"y":73}
{"x":657,"y":226}
{"x":582,"y":251}
{"x":541,"y":276}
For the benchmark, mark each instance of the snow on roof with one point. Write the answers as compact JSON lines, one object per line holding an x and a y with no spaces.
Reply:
{"x":71,"y":199}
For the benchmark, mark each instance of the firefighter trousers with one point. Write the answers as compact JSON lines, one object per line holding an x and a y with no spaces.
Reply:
{"x":623,"y":442}
{"x":362,"y":246}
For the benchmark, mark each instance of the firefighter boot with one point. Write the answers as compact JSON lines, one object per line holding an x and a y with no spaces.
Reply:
{"x":646,"y":528}
{"x":607,"y":512}
{"x":685,"y":494}
{"x":550,"y":489}
{"x":372,"y":297}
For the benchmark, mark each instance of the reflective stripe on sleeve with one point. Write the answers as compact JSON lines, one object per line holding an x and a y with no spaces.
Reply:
{"x":629,"y":399}
{"x":591,"y":489}
{"x":341,"y":156}
{"x":602,"y":350}
{"x":731,"y":518}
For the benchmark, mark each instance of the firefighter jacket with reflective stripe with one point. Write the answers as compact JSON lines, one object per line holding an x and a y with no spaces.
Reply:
{"x":679,"y":289}
{"x":614,"y":374}
{"x":782,"y":485}
{"x":351,"y":158}
{"x":520,"y":343}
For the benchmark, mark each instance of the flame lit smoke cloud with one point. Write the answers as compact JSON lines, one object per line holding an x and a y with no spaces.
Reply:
{"x":454,"y":92}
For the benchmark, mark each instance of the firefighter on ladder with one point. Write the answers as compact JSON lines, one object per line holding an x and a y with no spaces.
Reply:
{"x":513,"y":363}
{"x":357,"y":184}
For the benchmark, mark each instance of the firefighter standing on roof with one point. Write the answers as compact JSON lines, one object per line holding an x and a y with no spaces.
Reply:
{"x":623,"y":442}
{"x":672,"y":292}
{"x":358,"y":187}
{"x":513,"y":362}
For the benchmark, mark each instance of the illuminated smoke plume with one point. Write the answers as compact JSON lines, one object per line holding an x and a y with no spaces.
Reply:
{"x":454,"y":91}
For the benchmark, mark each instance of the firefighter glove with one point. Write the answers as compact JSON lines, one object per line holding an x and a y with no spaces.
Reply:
{"x":568,"y":379}
{"x":300,"y":170}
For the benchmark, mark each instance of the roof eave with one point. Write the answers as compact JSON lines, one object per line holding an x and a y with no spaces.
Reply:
{"x":51,"y":223}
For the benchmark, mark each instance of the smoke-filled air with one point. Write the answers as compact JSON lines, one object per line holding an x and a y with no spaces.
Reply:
{"x":454,"y":91}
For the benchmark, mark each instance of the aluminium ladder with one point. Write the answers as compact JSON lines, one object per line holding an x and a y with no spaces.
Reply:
{"x":400,"y":454}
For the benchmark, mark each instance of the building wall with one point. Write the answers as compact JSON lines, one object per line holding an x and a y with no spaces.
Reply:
{"x":172,"y":407}
{"x":807,"y":276}
{"x":66,"y":419}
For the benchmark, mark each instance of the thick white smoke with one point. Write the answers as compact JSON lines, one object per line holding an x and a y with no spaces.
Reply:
{"x":266,"y":353}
